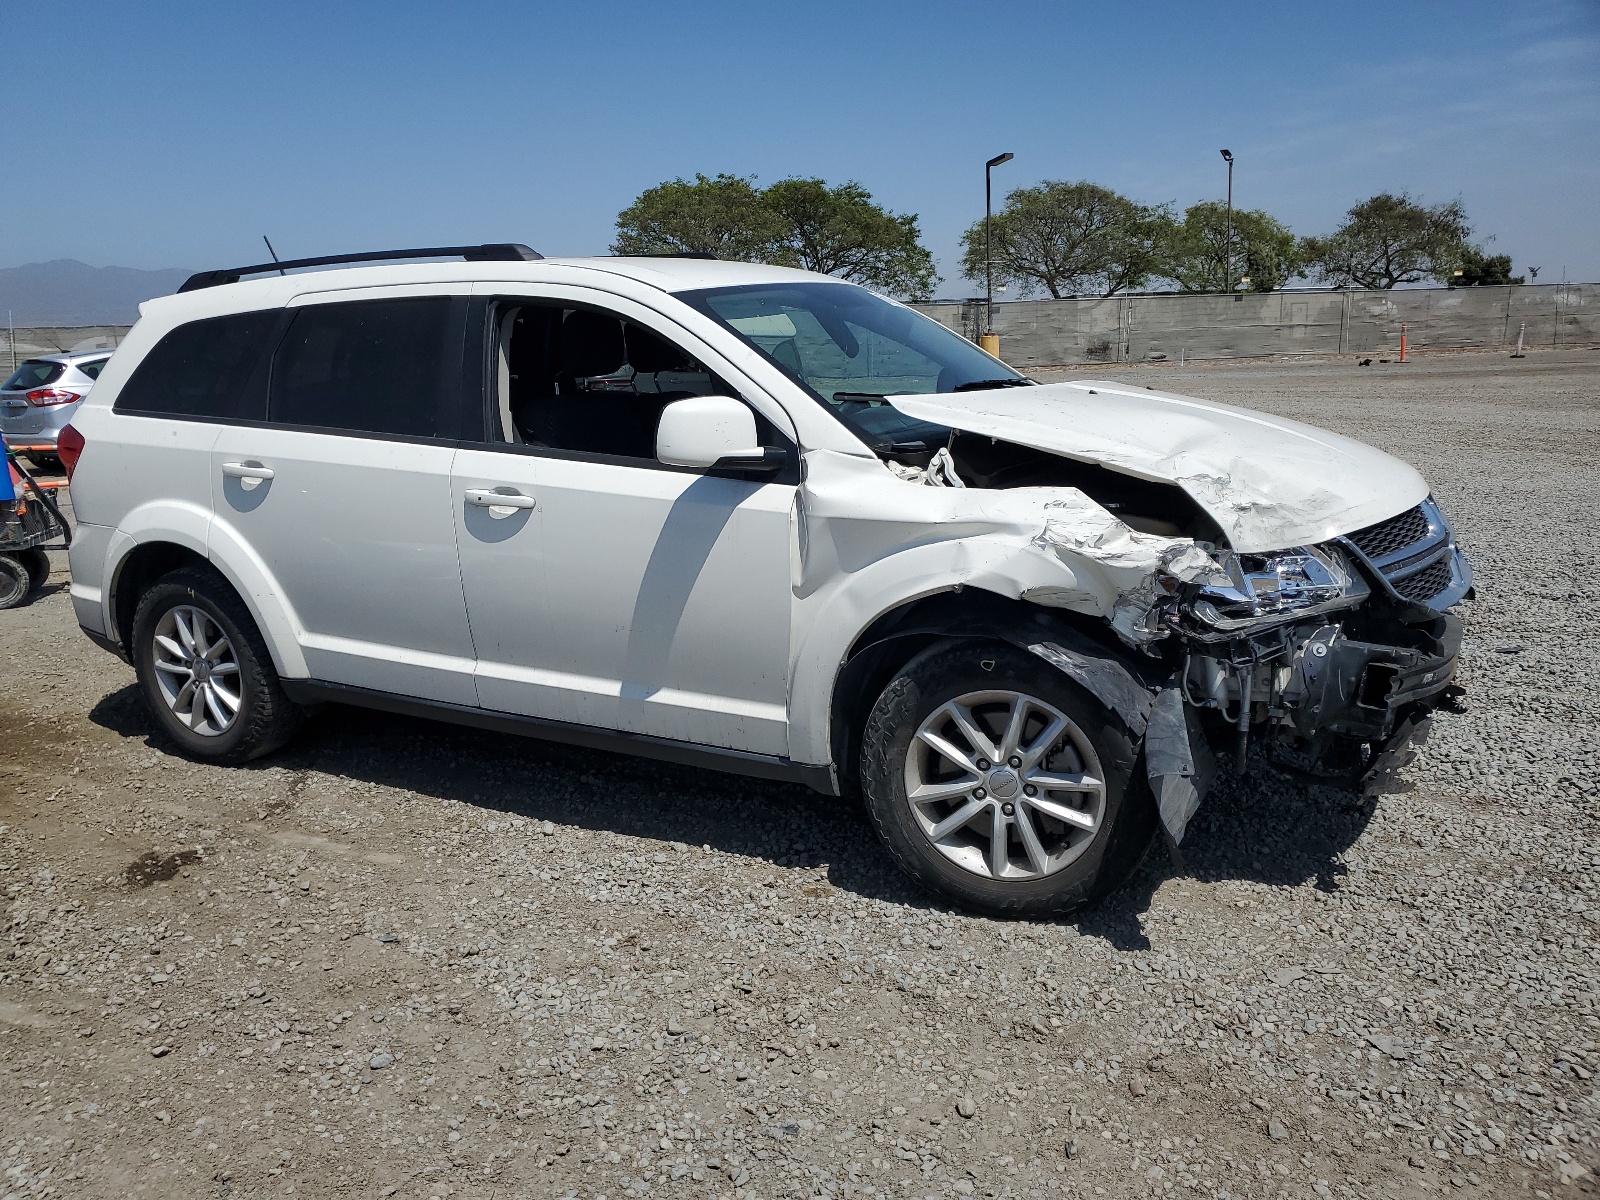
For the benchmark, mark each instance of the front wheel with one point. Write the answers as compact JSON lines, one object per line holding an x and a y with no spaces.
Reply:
{"x":205,"y":671}
{"x":1000,"y":784}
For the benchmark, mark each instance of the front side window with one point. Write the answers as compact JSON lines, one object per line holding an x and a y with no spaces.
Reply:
{"x":589,"y":381}
{"x":35,"y":373}
{"x":371,"y":366}
{"x":852,"y":349}
{"x":202,"y":369}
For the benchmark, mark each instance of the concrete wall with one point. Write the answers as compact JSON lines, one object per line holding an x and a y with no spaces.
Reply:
{"x":1041,"y":333}
{"x":1037,"y":333}
{"x":57,"y":340}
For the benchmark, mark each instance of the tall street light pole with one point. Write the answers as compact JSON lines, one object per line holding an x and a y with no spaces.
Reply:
{"x":988,"y":238}
{"x":1227,"y":253}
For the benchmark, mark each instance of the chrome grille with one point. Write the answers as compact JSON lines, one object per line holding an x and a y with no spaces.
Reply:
{"x":1384,"y":538}
{"x":1426,"y":583}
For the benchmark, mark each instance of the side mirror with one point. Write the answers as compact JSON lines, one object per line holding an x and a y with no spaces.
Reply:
{"x":713,"y":431}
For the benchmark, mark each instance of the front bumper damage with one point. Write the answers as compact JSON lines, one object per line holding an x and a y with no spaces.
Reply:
{"x":1329,"y":656}
{"x":1345,"y":702}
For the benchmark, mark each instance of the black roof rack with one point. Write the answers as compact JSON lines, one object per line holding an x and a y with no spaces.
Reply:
{"x":493,"y":252}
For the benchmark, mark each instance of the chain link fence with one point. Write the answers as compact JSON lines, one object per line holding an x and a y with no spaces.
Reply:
{"x":19,"y":344}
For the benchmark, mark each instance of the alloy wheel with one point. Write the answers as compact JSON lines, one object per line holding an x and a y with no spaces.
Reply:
{"x":1005,"y":785}
{"x":197,"y":670}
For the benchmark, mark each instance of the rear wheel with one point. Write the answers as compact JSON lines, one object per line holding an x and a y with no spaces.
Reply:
{"x":205,"y":671}
{"x":38,"y":564}
{"x":16,"y":581}
{"x":999,"y":783}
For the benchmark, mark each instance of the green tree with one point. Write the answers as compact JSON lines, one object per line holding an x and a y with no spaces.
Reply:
{"x":840,"y":231}
{"x":1390,"y":240}
{"x":722,"y":216}
{"x":1207,"y":246}
{"x":795,"y":222}
{"x":1480,"y":270}
{"x":1068,"y":238}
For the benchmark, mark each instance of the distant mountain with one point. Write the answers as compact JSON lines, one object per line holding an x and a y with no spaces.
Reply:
{"x":68,"y":292}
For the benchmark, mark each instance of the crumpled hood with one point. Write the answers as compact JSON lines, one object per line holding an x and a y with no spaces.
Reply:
{"x":1269,"y":482}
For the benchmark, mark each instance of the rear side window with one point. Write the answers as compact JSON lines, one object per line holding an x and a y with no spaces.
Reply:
{"x":93,"y":367}
{"x":202,"y":369}
{"x":35,"y":373}
{"x":372,"y":366}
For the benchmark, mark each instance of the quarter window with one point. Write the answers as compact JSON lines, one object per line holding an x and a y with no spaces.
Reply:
{"x":202,"y":369}
{"x":372,"y":366}
{"x":93,"y":367}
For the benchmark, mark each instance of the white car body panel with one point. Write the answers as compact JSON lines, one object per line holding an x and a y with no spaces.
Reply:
{"x":358,"y":538}
{"x":1269,"y":482}
{"x":124,"y":451}
{"x":253,"y":578}
{"x":635,"y":599}
{"x":90,"y":544}
{"x":870,"y":542}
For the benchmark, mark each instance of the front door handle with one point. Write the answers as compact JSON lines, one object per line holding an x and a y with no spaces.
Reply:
{"x":250,"y":469}
{"x":484,"y":498}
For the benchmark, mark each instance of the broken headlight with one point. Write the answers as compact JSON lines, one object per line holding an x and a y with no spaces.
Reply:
{"x":1266,"y":589}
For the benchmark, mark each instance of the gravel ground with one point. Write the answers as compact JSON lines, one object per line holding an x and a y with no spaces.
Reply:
{"x":411,"y":960}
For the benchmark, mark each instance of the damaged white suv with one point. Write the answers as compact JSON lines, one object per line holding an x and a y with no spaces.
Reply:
{"x":755,"y":519}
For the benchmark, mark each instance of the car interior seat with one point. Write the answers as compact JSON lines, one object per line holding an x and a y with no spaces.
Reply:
{"x":592,"y":382}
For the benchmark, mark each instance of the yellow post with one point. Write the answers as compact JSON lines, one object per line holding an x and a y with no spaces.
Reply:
{"x":990,"y":343}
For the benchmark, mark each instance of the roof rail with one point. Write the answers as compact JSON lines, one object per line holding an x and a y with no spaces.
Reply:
{"x":492,"y":252}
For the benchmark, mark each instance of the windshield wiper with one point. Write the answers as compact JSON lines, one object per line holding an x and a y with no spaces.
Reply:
{"x":859,"y":397}
{"x":982,"y":385}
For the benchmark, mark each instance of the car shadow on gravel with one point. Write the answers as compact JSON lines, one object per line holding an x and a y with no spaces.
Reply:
{"x":1265,"y":828}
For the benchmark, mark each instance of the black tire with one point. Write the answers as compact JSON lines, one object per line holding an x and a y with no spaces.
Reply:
{"x":16,"y":581}
{"x":38,"y":564}
{"x":948,"y":670}
{"x":266,"y":717}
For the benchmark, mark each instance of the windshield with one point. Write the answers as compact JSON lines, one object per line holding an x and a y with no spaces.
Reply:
{"x":852,"y":349}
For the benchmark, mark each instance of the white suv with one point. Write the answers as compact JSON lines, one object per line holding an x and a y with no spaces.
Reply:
{"x":755,"y":519}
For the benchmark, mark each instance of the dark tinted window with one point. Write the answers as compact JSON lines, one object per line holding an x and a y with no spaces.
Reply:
{"x":202,"y":369}
{"x":35,"y":373}
{"x":377,"y":366}
{"x":93,"y":367}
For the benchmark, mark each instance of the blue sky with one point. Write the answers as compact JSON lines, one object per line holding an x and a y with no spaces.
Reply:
{"x":175,"y":134}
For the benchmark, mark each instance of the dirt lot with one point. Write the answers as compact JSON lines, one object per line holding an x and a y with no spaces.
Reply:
{"x":410,"y":960}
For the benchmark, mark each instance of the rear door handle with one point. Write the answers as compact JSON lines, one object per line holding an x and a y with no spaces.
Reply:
{"x":484,"y":498}
{"x":247,"y":470}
